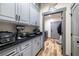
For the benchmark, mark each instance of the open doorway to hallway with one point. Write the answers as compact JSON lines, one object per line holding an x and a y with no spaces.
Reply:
{"x":53,"y":27}
{"x":53,"y":21}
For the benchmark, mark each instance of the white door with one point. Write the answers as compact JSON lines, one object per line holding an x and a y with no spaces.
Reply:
{"x":75,"y":30}
{"x":24,"y":12}
{"x":54,"y":32}
{"x":8,"y":10}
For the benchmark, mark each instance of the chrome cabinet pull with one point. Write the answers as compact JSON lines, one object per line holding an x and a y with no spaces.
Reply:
{"x":16,"y":17}
{"x":19,"y":18}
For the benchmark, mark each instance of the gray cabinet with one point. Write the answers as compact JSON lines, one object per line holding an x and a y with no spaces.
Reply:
{"x":42,"y":41}
{"x":8,"y":11}
{"x":9,"y":52}
{"x":26,"y":48}
{"x":36,"y":45}
{"x":37,"y":17}
{"x":34,"y":15}
{"x":24,"y":12}
{"x":39,"y":43}
{"x":26,"y":51}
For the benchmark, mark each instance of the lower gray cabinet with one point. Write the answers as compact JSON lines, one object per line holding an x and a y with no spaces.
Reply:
{"x":36,"y":46}
{"x":26,"y":52}
{"x":26,"y":48}
{"x":9,"y":51}
{"x":42,"y":41}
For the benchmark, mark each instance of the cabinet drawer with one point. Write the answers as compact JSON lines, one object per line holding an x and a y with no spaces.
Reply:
{"x":26,"y":52}
{"x":9,"y":52}
{"x":25,"y":45}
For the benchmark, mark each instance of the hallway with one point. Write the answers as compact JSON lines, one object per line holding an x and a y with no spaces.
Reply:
{"x":51,"y":48}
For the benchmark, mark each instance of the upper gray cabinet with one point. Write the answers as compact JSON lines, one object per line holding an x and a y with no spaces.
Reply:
{"x":37,"y":17}
{"x":34,"y":15}
{"x":8,"y":11}
{"x":24,"y":12}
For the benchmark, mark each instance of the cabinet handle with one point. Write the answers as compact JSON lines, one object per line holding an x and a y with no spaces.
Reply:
{"x":10,"y":53}
{"x":16,"y":17}
{"x":19,"y":18}
{"x":27,"y":45}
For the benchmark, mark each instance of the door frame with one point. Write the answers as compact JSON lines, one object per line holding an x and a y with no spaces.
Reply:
{"x":63,"y":13}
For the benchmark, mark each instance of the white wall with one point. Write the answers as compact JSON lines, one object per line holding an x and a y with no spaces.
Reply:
{"x":44,"y":8}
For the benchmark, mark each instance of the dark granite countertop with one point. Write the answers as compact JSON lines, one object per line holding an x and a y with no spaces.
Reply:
{"x":18,"y":41}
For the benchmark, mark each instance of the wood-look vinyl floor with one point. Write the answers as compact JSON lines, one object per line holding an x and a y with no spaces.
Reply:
{"x":51,"y":48}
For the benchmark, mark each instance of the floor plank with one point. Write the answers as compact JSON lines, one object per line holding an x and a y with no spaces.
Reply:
{"x":51,"y":48}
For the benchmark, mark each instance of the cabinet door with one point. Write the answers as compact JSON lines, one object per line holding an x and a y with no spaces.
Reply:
{"x":8,"y":10}
{"x":26,"y":44}
{"x":26,"y":52}
{"x":37,"y":17}
{"x":24,"y":12}
{"x":36,"y":45}
{"x":32,"y":14}
{"x":9,"y":51}
{"x":42,"y":41}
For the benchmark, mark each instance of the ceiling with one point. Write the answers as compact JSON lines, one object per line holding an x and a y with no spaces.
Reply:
{"x":50,"y":4}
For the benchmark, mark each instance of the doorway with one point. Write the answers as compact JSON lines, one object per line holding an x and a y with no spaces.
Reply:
{"x":63,"y":13}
